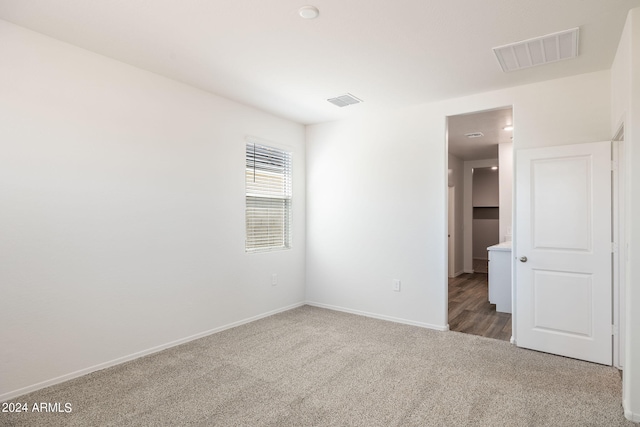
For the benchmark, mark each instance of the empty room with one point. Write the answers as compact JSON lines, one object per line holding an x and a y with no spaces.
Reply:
{"x":253,"y":213}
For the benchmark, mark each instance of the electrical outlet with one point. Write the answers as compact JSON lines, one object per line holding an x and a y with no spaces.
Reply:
{"x":274,"y":279}
{"x":396,"y":285}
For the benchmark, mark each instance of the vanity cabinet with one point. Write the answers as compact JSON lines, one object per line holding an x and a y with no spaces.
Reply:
{"x":500,"y":276}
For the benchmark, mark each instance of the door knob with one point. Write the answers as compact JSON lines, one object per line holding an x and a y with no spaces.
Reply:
{"x":523,"y":259}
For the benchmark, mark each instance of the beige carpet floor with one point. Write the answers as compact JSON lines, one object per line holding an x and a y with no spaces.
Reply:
{"x":315,"y":367}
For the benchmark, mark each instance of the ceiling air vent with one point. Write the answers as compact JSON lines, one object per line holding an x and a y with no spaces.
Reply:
{"x":537,"y":51}
{"x":344,"y":100}
{"x":474,"y":134}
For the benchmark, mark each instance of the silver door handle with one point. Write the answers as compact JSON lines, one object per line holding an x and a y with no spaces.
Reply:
{"x":523,"y":259}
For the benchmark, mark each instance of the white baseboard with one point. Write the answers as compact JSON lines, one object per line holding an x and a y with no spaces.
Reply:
{"x":469,"y":271}
{"x":459,"y":273}
{"x":631,"y":416}
{"x":114,"y":362}
{"x":379,"y":316}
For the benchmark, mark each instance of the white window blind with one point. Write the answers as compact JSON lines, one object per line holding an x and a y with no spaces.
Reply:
{"x":268,"y":191}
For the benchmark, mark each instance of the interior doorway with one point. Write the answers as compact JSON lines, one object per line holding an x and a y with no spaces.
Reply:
{"x":479,"y":145}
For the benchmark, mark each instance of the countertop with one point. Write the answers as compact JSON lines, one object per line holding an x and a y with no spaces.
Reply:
{"x":504,"y":246}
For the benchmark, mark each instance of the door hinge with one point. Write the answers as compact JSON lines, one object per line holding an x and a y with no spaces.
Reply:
{"x":614,"y":329}
{"x":614,"y":165}
{"x":614,"y":248}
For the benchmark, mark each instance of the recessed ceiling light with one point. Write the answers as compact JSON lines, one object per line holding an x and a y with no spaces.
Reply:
{"x":494,"y":168}
{"x":508,"y":127}
{"x":309,"y":12}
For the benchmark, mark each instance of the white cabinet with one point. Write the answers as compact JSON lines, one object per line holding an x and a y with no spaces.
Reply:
{"x":500,"y":276}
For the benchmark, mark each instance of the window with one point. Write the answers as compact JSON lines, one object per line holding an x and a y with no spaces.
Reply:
{"x":268,"y":192}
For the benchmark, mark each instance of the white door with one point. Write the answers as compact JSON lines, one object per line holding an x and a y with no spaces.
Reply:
{"x":563,"y":252}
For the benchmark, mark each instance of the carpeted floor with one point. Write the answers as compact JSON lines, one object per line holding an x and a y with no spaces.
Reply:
{"x":315,"y":367}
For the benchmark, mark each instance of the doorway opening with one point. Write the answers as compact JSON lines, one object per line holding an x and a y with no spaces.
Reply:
{"x":480,"y":159}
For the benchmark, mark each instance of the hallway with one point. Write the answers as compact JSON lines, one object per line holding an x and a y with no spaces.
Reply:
{"x":470,"y":311}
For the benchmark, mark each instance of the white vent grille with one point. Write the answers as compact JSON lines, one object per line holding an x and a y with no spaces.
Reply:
{"x":474,"y":135}
{"x":537,"y":51}
{"x":344,"y":100}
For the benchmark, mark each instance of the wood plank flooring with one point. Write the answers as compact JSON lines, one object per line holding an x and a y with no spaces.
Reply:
{"x":470,"y":311}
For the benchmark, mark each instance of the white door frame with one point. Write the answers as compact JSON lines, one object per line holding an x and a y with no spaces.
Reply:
{"x":620,"y":245}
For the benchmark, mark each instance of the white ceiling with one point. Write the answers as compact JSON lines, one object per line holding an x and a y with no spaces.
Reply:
{"x":490,"y":123}
{"x":388,"y":53}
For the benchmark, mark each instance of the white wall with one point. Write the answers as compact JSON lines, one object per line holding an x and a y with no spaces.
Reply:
{"x":457,"y":166}
{"x":122,"y":216}
{"x":469,"y":231}
{"x":625,"y":94}
{"x":505,"y":160}
{"x":485,"y":187}
{"x":371,"y":220}
{"x":376,"y":192}
{"x":486,"y":230}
